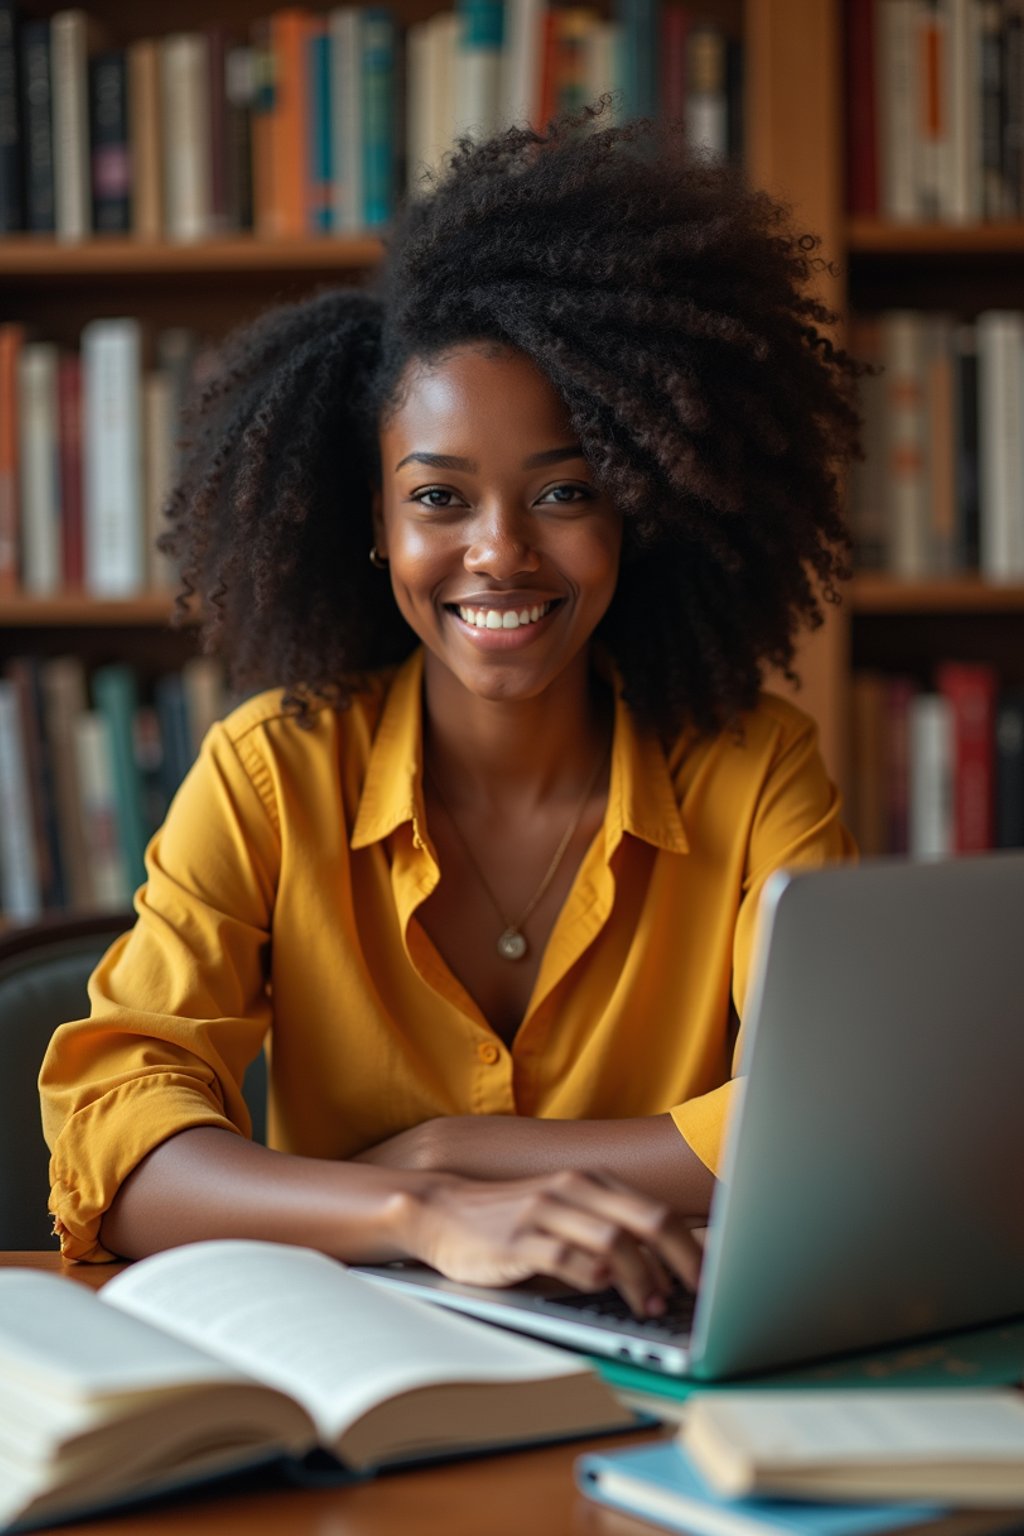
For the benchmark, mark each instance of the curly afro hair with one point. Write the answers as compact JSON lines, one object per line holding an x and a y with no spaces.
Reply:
{"x":668,"y":304}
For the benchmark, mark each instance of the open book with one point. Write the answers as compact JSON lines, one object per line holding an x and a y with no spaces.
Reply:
{"x":220,"y":1354}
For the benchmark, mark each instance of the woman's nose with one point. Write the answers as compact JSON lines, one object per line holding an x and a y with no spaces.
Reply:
{"x":501,"y":546}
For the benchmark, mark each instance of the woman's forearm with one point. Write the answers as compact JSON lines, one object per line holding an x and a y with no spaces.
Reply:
{"x":647,"y":1153}
{"x":207,"y":1182}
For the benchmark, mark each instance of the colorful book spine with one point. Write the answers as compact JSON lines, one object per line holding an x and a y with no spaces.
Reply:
{"x":378,"y":55}
{"x":40,"y":478}
{"x":1010,"y":770}
{"x":112,"y":443}
{"x":110,"y":153}
{"x":931,"y":830}
{"x":20,"y":892}
{"x":290,"y":30}
{"x":62,"y":681}
{"x":12,"y":205}
{"x":185,"y":98}
{"x":862,"y":197}
{"x":69,"y":455}
{"x":478,"y":89}
{"x":37,"y":127}
{"x":110,"y":887}
{"x":72,"y":38}
{"x":116,"y":695}
{"x":707,"y":101}
{"x":216,"y":59}
{"x":347,"y":87}
{"x":320,"y":141}
{"x":971,"y":693}
{"x":1000,"y":336}
{"x":12,"y":339}
{"x":145,"y":133}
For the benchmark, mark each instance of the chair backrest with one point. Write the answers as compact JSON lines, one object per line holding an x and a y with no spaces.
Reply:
{"x":44,"y":974}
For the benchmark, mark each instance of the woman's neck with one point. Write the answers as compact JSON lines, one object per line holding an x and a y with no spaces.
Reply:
{"x":515,"y":752}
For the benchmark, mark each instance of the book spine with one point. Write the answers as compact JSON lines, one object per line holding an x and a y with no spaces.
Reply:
{"x":964,"y":118}
{"x":861,"y":110}
{"x":869,"y":777}
{"x":971,"y":694}
{"x":941,"y":466}
{"x":906,"y":464}
{"x":1000,"y":336}
{"x":898,"y":108}
{"x":990,"y":85}
{"x":575,"y":24}
{"x":931,"y":777}
{"x":40,"y":469}
{"x":158,"y":433}
{"x":707,"y":104}
{"x":216,"y":43}
{"x":69,"y":432}
{"x":260,"y":122}
{"x":99,"y":816}
{"x":172,"y":713}
{"x":145,"y":138}
{"x":378,"y":53}
{"x":1013,"y":107}
{"x":1010,"y":771}
{"x":522,"y":63}
{"x":12,"y":206}
{"x":62,"y":681}
{"x":602,"y":50}
{"x":899,"y":696}
{"x":347,"y":128}
{"x":24,"y":673}
{"x":69,"y":42}
{"x":289,"y":196}
{"x":965,"y":429}
{"x":239,"y":89}
{"x":320,"y":145}
{"x":12,"y":339}
{"x":116,"y":697}
{"x":676,"y":22}
{"x":185,"y":94}
{"x":111,"y":161}
{"x":479,"y":65}
{"x":20,"y":892}
{"x":112,"y":442}
{"x":869,"y":524}
{"x":37,"y":124}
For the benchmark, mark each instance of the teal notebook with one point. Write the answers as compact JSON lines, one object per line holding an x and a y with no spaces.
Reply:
{"x":977,"y":1357}
{"x":660,"y":1483}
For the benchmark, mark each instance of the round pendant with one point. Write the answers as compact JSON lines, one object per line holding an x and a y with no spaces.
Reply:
{"x":511,"y":945}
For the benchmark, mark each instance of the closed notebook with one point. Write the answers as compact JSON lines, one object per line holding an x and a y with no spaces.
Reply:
{"x":660,"y":1483}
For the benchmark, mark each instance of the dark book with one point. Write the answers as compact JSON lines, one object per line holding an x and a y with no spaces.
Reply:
{"x":991,"y":84}
{"x":971,"y":691}
{"x":1013,"y":106}
{"x":25,"y":673}
{"x":216,"y":53}
{"x":967,"y":514}
{"x":1010,"y":770}
{"x":734,"y":94}
{"x":12,"y":208}
{"x":108,"y":132}
{"x":861,"y":117}
{"x":239,"y":87}
{"x":37,"y":128}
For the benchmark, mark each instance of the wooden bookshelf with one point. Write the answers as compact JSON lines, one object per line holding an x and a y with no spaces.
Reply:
{"x":876,"y":594}
{"x":31,"y":260}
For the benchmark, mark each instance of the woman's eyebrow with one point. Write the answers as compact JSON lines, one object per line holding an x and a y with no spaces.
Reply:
{"x":450,"y":461}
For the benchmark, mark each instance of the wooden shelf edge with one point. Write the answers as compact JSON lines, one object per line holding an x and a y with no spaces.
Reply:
{"x":33,"y":257}
{"x":879,"y":237}
{"x":77,"y":610}
{"x":872,"y":593}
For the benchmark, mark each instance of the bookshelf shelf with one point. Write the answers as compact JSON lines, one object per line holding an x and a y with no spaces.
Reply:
{"x":30,"y":259}
{"x":875,"y":594}
{"x":147,"y":611}
{"x":871,"y":237}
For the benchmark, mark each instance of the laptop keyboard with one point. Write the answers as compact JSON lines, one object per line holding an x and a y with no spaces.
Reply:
{"x":609,"y":1307}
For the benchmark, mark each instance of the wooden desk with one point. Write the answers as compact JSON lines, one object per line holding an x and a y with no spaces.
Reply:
{"x":522,"y":1493}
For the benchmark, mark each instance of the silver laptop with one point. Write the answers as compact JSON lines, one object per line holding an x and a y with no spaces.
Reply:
{"x":873,"y":1183}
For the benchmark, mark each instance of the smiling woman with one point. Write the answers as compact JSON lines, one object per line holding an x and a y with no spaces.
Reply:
{"x":483,"y":852}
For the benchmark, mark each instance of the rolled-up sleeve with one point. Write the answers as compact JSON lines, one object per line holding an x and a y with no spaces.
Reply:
{"x":179,"y":1005}
{"x":795,"y":822}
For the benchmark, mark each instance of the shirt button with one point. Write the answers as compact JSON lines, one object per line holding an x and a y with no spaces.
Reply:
{"x":488,"y":1053}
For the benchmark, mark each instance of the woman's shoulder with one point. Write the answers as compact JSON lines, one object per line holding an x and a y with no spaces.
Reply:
{"x":271,"y":715}
{"x":772,"y":724}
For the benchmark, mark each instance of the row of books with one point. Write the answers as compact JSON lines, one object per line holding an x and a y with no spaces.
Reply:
{"x":937,"y":770}
{"x":89,"y":445}
{"x":88,"y":766}
{"x":312,"y":122}
{"x":941,"y":489}
{"x":935,"y":110}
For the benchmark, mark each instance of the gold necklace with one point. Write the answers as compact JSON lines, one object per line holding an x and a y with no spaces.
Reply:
{"x":512,"y":942}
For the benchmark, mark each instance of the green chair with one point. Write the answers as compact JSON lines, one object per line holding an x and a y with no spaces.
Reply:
{"x":44,"y":973}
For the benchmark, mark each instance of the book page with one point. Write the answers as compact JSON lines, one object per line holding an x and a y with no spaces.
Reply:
{"x":56,"y":1337}
{"x":303,"y":1323}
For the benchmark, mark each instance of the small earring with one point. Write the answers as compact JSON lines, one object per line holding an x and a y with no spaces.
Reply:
{"x":377,"y":560}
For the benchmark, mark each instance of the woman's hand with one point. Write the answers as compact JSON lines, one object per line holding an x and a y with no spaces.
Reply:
{"x":589,"y":1230}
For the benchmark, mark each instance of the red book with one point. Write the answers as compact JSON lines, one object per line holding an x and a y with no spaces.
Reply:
{"x":676,"y":21}
{"x":861,"y":114}
{"x":12,"y":337}
{"x":971,"y":690}
{"x":69,"y":447}
{"x":216,"y":52}
{"x":549,"y":70}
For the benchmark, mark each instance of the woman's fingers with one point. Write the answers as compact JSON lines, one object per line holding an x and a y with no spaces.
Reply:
{"x":613,"y":1257}
{"x":661,"y":1229}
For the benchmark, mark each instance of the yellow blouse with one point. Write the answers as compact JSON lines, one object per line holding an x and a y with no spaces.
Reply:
{"x":282,"y":892}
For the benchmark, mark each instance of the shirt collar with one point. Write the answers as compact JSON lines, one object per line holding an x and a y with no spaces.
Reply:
{"x":642,"y":799}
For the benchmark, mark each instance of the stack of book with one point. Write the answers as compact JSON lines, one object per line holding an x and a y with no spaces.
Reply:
{"x":87,"y":770}
{"x":937,"y":770}
{"x":941,"y":489}
{"x":311,"y":122}
{"x":88,"y":452}
{"x":935,"y":110}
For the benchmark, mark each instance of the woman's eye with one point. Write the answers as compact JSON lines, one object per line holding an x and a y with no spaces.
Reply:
{"x":432,"y":491}
{"x":566,"y":494}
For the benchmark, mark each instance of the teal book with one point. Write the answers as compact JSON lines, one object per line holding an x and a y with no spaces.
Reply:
{"x":378,"y":79}
{"x":660,"y":1483}
{"x":637,"y":66}
{"x":321,"y":138}
{"x":116,"y":695}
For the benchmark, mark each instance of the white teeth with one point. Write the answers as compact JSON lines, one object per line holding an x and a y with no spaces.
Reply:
{"x":504,"y":618}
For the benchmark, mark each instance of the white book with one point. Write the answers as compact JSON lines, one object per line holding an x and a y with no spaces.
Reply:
{"x":62,"y":679}
{"x":115,"y":563}
{"x":964,"y":113}
{"x":477,"y":84}
{"x":442,"y":46}
{"x":707,"y":102}
{"x":907,"y":513}
{"x":160,"y":416}
{"x":1000,"y":336}
{"x":218,"y":1354}
{"x":896,"y":72}
{"x":69,"y":92}
{"x":185,"y":126}
{"x":603,"y":43}
{"x":931,"y":777}
{"x":20,"y":891}
{"x":41,"y":562}
{"x":95,"y":769}
{"x":933,"y":143}
{"x":964,"y":1446}
{"x":417,"y":105}
{"x":522,"y":63}
{"x":344,"y":28}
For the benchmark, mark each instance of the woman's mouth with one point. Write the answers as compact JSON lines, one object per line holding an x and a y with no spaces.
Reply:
{"x":502,"y":618}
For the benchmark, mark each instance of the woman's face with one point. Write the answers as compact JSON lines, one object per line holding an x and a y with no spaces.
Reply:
{"x":503,"y":552}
